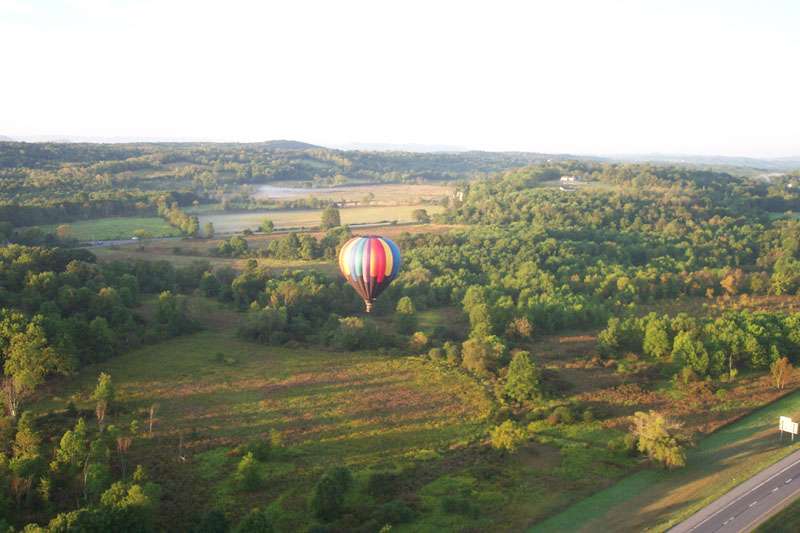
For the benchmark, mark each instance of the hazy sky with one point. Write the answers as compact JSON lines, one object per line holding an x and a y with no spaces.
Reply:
{"x":719,"y":77}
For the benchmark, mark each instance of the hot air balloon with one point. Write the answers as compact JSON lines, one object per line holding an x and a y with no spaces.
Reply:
{"x":369,"y":264}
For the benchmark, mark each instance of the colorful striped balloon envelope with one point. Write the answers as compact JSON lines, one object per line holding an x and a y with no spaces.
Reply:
{"x":369,"y":264}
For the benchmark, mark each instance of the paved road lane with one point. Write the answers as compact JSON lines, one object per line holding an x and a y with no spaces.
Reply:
{"x":751,"y":503}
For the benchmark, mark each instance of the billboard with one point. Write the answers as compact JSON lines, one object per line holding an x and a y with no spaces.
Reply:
{"x":786,"y":424}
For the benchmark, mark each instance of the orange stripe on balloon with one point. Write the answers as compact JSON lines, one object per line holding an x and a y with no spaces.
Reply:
{"x":373,"y":257}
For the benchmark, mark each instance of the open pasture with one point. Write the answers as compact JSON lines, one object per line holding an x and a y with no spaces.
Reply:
{"x":114,"y":228}
{"x":309,"y":218}
{"x":358,"y":409}
{"x":376,"y":194}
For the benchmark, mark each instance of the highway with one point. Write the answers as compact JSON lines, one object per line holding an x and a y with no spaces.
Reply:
{"x":751,"y":503}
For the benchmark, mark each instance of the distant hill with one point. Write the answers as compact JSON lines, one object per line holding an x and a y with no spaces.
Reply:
{"x":283,"y":144}
{"x":388,"y":147}
{"x":760,"y":163}
{"x":5,"y":139}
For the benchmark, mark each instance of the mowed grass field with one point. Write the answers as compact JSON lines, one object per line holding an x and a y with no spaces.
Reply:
{"x":310,"y":218}
{"x":384,"y":194}
{"x":114,"y":228}
{"x":655,"y":500}
{"x":358,"y":409}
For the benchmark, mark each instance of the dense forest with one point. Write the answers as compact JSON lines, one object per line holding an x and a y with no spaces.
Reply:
{"x":46,"y":183}
{"x":527,"y":260}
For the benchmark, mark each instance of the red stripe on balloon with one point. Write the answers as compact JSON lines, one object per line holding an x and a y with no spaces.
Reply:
{"x":380,"y":260}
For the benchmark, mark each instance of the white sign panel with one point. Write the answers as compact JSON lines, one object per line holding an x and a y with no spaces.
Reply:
{"x":786,"y":424}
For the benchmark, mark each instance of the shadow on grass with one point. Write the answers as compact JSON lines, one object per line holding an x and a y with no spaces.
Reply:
{"x":652,"y":499}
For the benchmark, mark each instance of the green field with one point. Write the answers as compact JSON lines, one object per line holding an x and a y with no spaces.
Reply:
{"x":788,"y":214}
{"x":358,"y":409}
{"x":103,"y":229}
{"x":653,"y":500}
{"x":309,"y":218}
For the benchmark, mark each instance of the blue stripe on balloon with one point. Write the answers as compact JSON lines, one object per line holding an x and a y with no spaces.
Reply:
{"x":396,"y":261}
{"x":357,"y":258}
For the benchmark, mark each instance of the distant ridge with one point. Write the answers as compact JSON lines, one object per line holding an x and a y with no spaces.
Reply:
{"x":762,"y":163}
{"x":388,"y":147}
{"x":284,"y":144}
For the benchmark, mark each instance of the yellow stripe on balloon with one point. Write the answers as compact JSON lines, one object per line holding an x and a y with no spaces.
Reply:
{"x":344,"y":264}
{"x":389,"y":258}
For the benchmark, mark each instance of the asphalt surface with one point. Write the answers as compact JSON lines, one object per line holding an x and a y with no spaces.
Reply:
{"x":751,"y":503}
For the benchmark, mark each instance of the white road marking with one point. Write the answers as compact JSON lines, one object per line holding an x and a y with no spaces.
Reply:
{"x":752,"y":504}
{"x":740,"y":497}
{"x":775,"y":489}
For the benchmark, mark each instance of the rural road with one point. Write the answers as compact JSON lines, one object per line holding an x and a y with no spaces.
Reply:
{"x":751,"y":503}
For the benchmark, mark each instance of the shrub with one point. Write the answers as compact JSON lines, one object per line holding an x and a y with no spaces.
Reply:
{"x":405,"y":315}
{"x":452,"y":353}
{"x":437,"y":354}
{"x":260,"y":448}
{"x":394,"y":512}
{"x":275,"y":438}
{"x":353,"y":333}
{"x":507,"y":436}
{"x":459,"y":505}
{"x":247,"y":475}
{"x":330,"y":218}
{"x":561,"y":415}
{"x":327,"y":500}
{"x":256,"y":521}
{"x":623,"y":444}
{"x":522,"y":381}
{"x":418,"y":342}
{"x":482,"y":355}
{"x":660,"y":438}
{"x":213,"y":521}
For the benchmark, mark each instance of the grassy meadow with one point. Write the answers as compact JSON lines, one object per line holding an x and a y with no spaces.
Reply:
{"x":115,"y":228}
{"x":383,"y":194}
{"x":364,"y":410}
{"x":310,"y":218}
